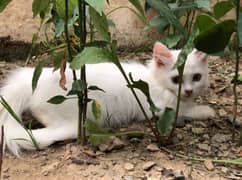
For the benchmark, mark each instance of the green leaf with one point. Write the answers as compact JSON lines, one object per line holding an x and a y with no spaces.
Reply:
{"x":144,"y":88}
{"x":96,"y":134}
{"x":39,"y":6}
{"x":96,"y":109}
{"x":187,"y":49}
{"x":78,"y":86}
{"x":36,"y":75}
{"x":138,"y":6}
{"x":96,"y":4}
{"x":100,"y":23}
{"x":10,"y":110}
{"x":90,"y":55}
{"x":216,"y":38}
{"x":204,"y":22}
{"x":57,"y":59}
{"x":3,"y":4}
{"x":60,"y":8}
{"x":203,"y":4}
{"x":239,"y":29}
{"x":167,"y":13}
{"x":221,"y":8}
{"x":166,"y":121}
{"x":95,"y":88}
{"x":171,"y":40}
{"x":57,"y":99}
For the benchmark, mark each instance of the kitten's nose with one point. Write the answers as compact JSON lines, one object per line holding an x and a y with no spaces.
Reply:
{"x":188,"y":92}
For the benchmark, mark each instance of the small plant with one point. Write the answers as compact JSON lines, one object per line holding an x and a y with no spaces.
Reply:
{"x":175,"y":19}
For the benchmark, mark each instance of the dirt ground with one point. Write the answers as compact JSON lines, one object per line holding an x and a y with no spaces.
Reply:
{"x":138,"y":157}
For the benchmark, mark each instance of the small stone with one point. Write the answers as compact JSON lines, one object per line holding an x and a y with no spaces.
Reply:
{"x":128,"y":177}
{"x":198,"y":131}
{"x":222,"y":112}
{"x":110,"y":144}
{"x":179,"y":136}
{"x":224,"y":170}
{"x":129,"y":166}
{"x":204,"y":147}
{"x":148,"y":165}
{"x":209,"y":165}
{"x":220,"y":138}
{"x":152,"y":148}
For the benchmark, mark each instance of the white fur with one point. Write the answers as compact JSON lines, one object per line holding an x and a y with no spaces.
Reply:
{"x":60,"y":121}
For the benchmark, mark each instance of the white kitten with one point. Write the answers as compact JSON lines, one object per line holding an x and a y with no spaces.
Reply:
{"x":60,"y":121}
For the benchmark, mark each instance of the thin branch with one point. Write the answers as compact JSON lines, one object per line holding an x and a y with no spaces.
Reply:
{"x":1,"y":150}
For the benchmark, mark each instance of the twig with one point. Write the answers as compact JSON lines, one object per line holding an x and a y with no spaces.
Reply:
{"x":236,"y":74}
{"x":1,"y":150}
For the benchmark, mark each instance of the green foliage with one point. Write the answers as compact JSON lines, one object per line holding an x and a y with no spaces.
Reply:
{"x":40,"y":7}
{"x":100,"y":22}
{"x":78,"y":87}
{"x":216,"y":38}
{"x":36,"y":75}
{"x":90,"y":55}
{"x":221,"y":8}
{"x":239,"y":29}
{"x":97,"y":5}
{"x":19,"y":120}
{"x":144,"y":88}
{"x":96,"y":134}
{"x":3,"y":4}
{"x":166,"y":121}
{"x":57,"y":99}
{"x":60,"y":8}
{"x":174,"y":33}
{"x":96,"y":109}
{"x":204,"y":22}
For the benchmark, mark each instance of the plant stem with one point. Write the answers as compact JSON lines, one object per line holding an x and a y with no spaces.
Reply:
{"x":154,"y":130}
{"x":236,"y":73}
{"x":82,"y":102}
{"x":67,"y":39}
{"x":1,"y":150}
{"x":178,"y":101}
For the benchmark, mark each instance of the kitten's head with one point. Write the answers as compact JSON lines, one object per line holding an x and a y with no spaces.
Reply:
{"x":195,"y":76}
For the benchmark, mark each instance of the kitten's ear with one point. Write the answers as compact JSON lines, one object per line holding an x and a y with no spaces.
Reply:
{"x":200,"y":55}
{"x":161,"y":54}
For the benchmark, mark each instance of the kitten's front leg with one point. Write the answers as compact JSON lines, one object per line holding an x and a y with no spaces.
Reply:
{"x":197,"y":111}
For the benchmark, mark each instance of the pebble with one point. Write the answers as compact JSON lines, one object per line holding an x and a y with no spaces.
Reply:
{"x":148,"y":165}
{"x":179,"y":136}
{"x":220,"y":138}
{"x":209,"y":165}
{"x":128,"y":177}
{"x":204,"y":147}
{"x":111,"y":144}
{"x":129,"y":166}
{"x":152,"y":148}
{"x":198,"y":131}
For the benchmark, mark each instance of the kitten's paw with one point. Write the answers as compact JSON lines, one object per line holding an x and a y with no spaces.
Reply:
{"x":201,"y":112}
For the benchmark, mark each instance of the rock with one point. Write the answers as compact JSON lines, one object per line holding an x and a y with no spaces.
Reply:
{"x":204,"y":147}
{"x":198,"y":131}
{"x":129,"y":166}
{"x":148,"y":165}
{"x":238,"y":122}
{"x":181,"y":121}
{"x":110,"y":144}
{"x":222,"y":112}
{"x":128,"y":177}
{"x":47,"y":169}
{"x":152,"y":148}
{"x":221,"y":138}
{"x":179,"y":136}
{"x":209,"y":165}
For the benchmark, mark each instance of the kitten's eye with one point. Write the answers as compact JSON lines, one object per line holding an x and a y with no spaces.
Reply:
{"x":197,"y":77}
{"x":175,"y":79}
